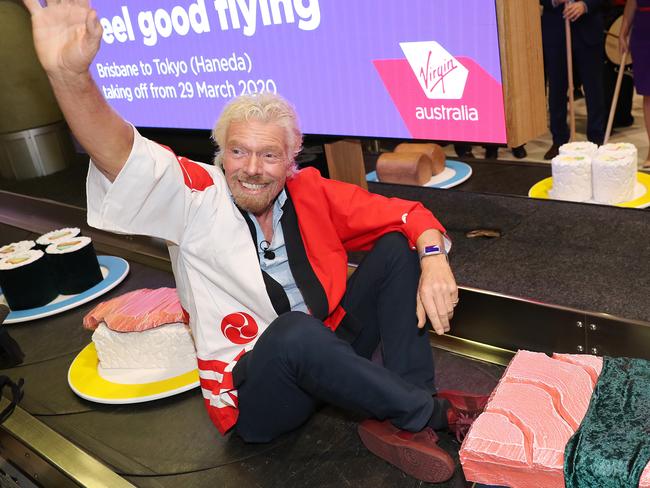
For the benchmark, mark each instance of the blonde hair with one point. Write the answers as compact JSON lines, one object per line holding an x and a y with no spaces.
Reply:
{"x":263,"y":107}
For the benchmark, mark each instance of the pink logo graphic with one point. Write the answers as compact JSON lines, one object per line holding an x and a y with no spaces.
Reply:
{"x":477,"y":116}
{"x":239,"y":328}
{"x":441,"y":76}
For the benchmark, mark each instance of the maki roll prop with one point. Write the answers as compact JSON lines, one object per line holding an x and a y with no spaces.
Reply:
{"x":55,"y":236}
{"x":26,"y":280}
{"x":75,"y":265}
{"x":16,"y":247}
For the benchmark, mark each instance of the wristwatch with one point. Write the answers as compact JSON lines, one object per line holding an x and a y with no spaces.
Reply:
{"x":432,"y":251}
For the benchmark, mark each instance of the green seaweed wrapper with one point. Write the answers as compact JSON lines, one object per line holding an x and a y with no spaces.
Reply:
{"x":612,"y":446}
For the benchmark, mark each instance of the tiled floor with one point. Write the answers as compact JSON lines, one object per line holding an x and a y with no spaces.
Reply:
{"x":636,"y":134}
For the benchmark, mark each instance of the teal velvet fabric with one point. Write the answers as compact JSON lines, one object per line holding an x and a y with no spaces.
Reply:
{"x":612,"y":446}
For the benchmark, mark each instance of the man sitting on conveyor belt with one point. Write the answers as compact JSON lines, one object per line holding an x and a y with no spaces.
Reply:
{"x":258,"y":250}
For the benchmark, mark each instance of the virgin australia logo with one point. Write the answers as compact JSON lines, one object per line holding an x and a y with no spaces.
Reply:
{"x":441,"y":75}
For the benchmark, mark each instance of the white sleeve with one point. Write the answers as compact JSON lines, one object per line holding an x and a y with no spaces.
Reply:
{"x":148,"y":197}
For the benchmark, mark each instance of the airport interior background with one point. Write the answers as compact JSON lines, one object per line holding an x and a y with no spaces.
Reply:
{"x":535,"y":274}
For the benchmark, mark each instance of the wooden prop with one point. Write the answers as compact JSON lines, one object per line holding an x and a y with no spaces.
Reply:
{"x":345,"y":162}
{"x":569,"y":62}
{"x":617,"y":89}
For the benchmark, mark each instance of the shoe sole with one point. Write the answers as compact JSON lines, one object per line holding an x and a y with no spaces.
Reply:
{"x":430,"y":465}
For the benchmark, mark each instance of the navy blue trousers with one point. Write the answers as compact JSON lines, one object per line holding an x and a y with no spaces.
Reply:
{"x":298,"y":363}
{"x":588,"y":60}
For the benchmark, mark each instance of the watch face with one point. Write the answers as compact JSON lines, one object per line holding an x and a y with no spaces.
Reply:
{"x":431,"y":249}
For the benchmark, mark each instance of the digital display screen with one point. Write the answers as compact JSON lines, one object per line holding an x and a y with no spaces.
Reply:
{"x":413,"y":69}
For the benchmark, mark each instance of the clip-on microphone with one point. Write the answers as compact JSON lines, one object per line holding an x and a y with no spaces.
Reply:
{"x":264,"y":247}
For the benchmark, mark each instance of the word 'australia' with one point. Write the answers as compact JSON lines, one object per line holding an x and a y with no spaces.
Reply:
{"x":447,"y":113}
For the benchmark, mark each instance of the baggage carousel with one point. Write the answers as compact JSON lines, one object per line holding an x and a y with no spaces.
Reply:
{"x":56,"y":438}
{"x":562,"y":277}
{"x":559,"y":277}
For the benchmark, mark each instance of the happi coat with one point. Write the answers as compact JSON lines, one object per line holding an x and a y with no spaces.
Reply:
{"x":229,"y":300}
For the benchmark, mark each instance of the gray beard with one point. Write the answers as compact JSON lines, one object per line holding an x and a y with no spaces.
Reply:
{"x":254,"y":205}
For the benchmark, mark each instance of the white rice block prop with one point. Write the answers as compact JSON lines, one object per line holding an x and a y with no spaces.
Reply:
{"x":168,"y":346}
{"x":621,"y":148}
{"x":614,"y":177}
{"x":16,"y":247}
{"x":584,"y":148}
{"x":571,"y":178}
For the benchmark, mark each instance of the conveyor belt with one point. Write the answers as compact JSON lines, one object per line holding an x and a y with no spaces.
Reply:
{"x":171,"y":442}
{"x":578,"y":259}
{"x":594,"y":258}
{"x":591,"y":258}
{"x":504,"y":178}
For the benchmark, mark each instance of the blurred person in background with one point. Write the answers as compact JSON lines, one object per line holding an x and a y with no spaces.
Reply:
{"x":612,"y":15}
{"x":635,"y":38}
{"x":588,"y":48}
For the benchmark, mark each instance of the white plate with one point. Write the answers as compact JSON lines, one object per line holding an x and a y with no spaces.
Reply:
{"x":114,"y":270}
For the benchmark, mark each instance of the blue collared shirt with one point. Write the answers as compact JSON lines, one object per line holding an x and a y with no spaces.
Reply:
{"x":278,"y":267}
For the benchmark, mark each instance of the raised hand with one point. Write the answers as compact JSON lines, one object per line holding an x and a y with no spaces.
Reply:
{"x":67,"y":35}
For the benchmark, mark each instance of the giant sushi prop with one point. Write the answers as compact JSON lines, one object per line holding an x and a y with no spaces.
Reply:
{"x":75,"y":265}
{"x":542,"y":427}
{"x":57,"y":235}
{"x":15,"y":247}
{"x":26,"y":280}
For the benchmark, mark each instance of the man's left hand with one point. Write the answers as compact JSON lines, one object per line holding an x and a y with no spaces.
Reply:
{"x":437,"y":293}
{"x":573,"y":11}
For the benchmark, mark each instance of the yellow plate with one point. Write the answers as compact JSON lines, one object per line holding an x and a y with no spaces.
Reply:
{"x":85,"y":381}
{"x":641,"y":191}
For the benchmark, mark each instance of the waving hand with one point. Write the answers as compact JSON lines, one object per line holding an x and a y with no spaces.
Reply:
{"x":67,"y":35}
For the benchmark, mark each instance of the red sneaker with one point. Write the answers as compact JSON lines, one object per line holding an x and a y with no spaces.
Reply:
{"x":465,"y":408}
{"x":415,"y":453}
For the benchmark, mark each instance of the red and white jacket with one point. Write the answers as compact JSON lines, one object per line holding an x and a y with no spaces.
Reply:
{"x":214,"y":259}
